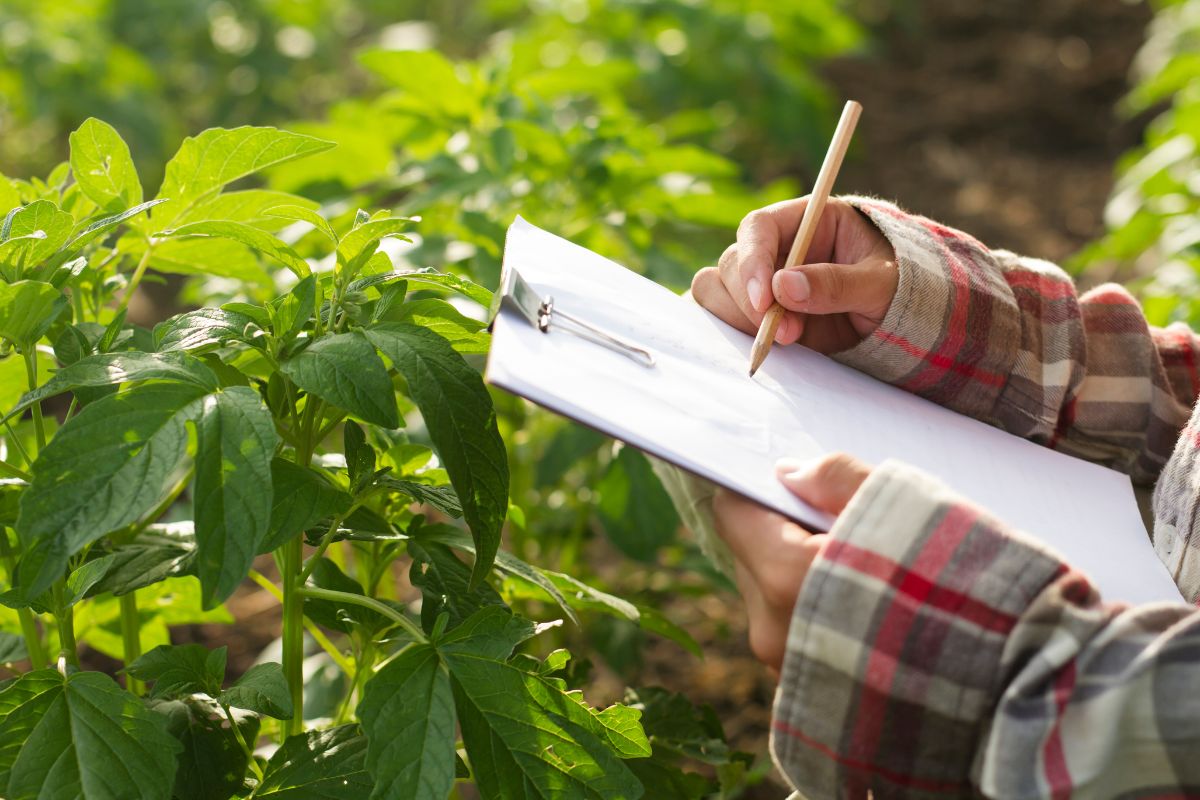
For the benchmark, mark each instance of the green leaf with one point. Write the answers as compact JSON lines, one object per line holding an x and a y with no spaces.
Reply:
{"x":27,"y":310}
{"x":635,"y":510}
{"x":10,"y":198}
{"x":428,"y":76}
{"x":290,"y":313}
{"x":443,"y":498}
{"x":431,"y":276}
{"x":102,"y":226}
{"x":461,"y":421}
{"x":360,"y":456}
{"x":179,"y":670}
{"x":114,"y":369}
{"x":103,"y":470}
{"x":505,"y":561}
{"x":208,"y":161}
{"x":345,"y":371}
{"x":262,"y":689}
{"x":81,"y":736}
{"x":12,"y":648}
{"x":204,"y":329}
{"x":248,"y":235}
{"x":464,"y":334}
{"x":675,"y":723}
{"x":83,"y":578}
{"x":210,"y":257}
{"x":303,"y":497}
{"x":35,"y":233}
{"x":491,"y":632}
{"x":236,"y":440}
{"x":251,"y":206}
{"x":361,"y":243}
{"x":158,"y":553}
{"x":522,"y":740}
{"x":319,"y":765}
{"x":103,"y":168}
{"x":213,"y":764}
{"x":444,"y":583}
{"x":304,"y":214}
{"x":407,"y":713}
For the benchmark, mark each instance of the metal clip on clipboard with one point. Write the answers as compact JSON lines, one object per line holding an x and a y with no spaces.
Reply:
{"x":541,"y":312}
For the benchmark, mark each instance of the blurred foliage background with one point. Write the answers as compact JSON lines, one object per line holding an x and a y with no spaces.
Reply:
{"x":644,"y":129}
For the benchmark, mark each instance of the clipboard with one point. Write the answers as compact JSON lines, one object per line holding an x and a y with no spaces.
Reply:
{"x":540,"y":311}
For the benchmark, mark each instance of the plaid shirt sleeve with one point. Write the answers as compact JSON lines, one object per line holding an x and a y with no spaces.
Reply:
{"x":934,"y":653}
{"x":1006,"y":340}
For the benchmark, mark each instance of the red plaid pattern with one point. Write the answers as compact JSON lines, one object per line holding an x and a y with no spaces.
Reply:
{"x":935,"y":652}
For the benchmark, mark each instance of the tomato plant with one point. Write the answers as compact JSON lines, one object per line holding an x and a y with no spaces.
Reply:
{"x":323,"y":442}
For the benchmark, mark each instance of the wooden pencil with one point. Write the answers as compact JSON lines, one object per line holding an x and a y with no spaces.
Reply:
{"x":808,"y":226}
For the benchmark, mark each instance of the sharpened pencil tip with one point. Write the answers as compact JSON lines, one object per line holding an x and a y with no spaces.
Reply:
{"x":752,"y":371}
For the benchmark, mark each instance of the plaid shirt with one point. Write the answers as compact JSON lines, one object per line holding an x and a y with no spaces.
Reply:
{"x":935,"y":652}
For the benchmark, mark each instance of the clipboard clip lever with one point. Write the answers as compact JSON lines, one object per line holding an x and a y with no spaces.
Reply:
{"x":543,"y":314}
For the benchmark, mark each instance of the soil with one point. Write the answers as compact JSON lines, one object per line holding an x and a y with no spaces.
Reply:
{"x":994,"y":116}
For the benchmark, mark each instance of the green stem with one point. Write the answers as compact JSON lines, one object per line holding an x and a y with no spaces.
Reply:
{"x":16,"y":443}
{"x":39,"y":426}
{"x":318,"y":635}
{"x":65,"y":616}
{"x":395,"y":616}
{"x":10,"y":471}
{"x":237,"y":734}
{"x":293,"y":634}
{"x":138,"y":272}
{"x":131,"y":635}
{"x":29,"y":629}
{"x":311,"y":563}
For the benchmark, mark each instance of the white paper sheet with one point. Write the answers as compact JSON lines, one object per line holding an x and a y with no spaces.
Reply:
{"x":697,"y":408}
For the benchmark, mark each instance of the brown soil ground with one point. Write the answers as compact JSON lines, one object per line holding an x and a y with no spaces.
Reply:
{"x":995,"y":116}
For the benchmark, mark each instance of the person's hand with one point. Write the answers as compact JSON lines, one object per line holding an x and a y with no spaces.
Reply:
{"x":834,"y":300}
{"x":773,"y":554}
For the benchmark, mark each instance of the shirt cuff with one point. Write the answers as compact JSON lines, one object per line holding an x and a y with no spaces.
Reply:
{"x":953,"y":330}
{"x":895,"y":645}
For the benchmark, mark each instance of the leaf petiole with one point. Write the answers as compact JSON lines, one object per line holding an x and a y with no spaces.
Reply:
{"x":367,"y":602}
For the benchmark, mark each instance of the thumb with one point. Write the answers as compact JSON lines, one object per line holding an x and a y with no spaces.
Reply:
{"x":827,"y":484}
{"x":864,"y":288}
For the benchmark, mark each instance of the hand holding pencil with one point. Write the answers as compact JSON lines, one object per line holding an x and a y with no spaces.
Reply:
{"x":830,"y":298}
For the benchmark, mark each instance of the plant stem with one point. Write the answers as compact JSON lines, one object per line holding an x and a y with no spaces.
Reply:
{"x":8,"y":470}
{"x":395,"y":616}
{"x":138,"y":272}
{"x":311,"y":563}
{"x":293,"y":634}
{"x":237,"y":734}
{"x":318,"y":635}
{"x":29,"y":629}
{"x":65,"y":616}
{"x":131,"y":635}
{"x":39,"y":426}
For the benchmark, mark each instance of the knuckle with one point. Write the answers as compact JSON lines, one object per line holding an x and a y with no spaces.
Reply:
{"x":729,"y":259}
{"x":702,"y":281}
{"x":834,"y":281}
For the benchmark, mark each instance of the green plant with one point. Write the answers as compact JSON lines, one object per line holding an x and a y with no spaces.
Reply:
{"x":1151,"y":216}
{"x":341,"y":416}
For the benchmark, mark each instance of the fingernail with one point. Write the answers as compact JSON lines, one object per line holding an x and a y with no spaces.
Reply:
{"x":754,"y":289}
{"x":795,"y":286}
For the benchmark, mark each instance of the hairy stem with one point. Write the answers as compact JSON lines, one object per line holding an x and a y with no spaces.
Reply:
{"x":131,"y":635}
{"x":395,"y":616}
